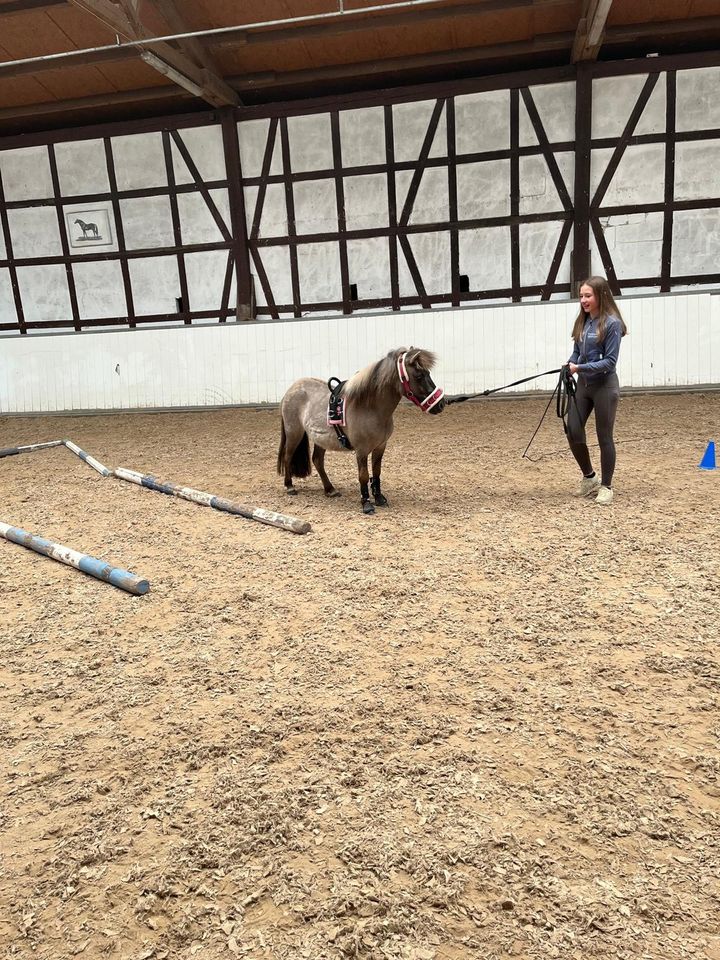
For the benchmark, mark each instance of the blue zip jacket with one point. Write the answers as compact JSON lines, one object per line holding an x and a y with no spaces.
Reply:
{"x":595,"y":360}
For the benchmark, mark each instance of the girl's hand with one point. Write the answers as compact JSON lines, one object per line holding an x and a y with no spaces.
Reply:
{"x":573,"y":367}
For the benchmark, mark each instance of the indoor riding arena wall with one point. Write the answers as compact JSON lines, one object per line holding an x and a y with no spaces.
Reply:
{"x":482,"y":723}
{"x":674,"y":342}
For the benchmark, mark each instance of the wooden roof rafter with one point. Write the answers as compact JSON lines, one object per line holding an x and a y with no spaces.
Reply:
{"x":591,"y":30}
{"x":123,"y":19}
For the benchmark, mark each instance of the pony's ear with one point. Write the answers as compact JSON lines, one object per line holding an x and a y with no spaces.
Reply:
{"x":423,"y":358}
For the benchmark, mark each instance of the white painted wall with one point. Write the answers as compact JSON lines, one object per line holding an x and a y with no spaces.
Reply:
{"x":674,"y":341}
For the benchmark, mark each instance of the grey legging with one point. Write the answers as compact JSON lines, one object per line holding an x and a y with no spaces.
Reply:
{"x":602,"y":395}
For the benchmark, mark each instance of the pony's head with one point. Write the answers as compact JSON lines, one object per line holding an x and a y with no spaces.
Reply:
{"x":414,"y":366}
{"x":405,"y":371}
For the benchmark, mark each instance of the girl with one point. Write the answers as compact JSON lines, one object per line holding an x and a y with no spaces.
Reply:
{"x":597,"y":333}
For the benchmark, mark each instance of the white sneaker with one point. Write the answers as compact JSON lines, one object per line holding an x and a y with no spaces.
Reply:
{"x":588,"y":485}
{"x":605,"y":496}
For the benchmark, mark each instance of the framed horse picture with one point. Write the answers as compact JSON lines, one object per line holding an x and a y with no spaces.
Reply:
{"x":88,"y":228}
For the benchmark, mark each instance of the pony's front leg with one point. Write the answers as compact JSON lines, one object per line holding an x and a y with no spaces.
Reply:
{"x":377,"y":455}
{"x":363,"y":477}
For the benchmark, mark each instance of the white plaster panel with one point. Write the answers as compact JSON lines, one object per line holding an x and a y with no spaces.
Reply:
{"x":537,"y":189}
{"x":205,"y":146}
{"x":34,"y":232}
{"x":100,"y":290}
{"x":526,"y":132}
{"x":310,"y":142}
{"x":482,"y":122}
{"x":26,"y":174}
{"x":274,"y":219}
{"x":155,"y":284}
{"x":276,"y":262}
{"x":139,"y":161}
{"x":366,"y":201}
{"x":315,"y":206}
{"x":538,"y":242}
{"x":319,"y":272}
{"x":250,"y":195}
{"x":147,"y":222}
{"x":698,"y":103}
{"x":362,"y":136}
{"x":252,"y":137}
{"x":205,"y":271}
{"x":555,"y":103}
{"x":432,"y":255}
{"x":369,"y":267}
{"x":431,"y":199}
{"x":410,"y":124}
{"x":613,"y":100}
{"x":485,"y":257}
{"x":3,"y":248}
{"x":639,"y":177}
{"x":696,"y":241}
{"x":483,"y":189}
{"x":653,"y":119}
{"x":635,"y":243}
{"x":197,"y":223}
{"x":7,"y":301}
{"x":697,"y":170}
{"x":44,"y":292}
{"x":82,"y":167}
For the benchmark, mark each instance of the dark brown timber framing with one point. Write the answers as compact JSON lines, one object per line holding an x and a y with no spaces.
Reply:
{"x":403,"y":229}
{"x":239,"y":238}
{"x":580,"y":261}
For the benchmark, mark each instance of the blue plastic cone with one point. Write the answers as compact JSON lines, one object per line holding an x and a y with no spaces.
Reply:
{"x":708,"y":460}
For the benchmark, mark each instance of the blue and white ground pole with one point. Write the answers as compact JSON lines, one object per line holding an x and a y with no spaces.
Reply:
{"x":81,"y":561}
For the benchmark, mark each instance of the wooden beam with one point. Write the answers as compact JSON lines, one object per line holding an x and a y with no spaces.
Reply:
{"x":27,"y":6}
{"x":356,"y":22}
{"x":590,"y":31}
{"x":160,"y":55}
{"x":191,"y":46}
{"x":501,"y":51}
{"x":98,"y":101}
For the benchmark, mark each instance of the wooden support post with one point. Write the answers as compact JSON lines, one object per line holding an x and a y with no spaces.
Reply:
{"x":236,"y":197}
{"x":580,"y":262}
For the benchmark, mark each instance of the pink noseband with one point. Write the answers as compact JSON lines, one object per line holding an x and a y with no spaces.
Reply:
{"x":429,"y":402}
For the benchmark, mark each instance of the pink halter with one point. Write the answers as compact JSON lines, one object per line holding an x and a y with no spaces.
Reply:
{"x":429,"y":402}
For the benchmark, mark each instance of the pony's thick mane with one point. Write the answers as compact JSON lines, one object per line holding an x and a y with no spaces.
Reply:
{"x":383,"y":375}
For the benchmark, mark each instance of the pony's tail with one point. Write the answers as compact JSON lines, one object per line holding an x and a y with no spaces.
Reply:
{"x":300,"y":465}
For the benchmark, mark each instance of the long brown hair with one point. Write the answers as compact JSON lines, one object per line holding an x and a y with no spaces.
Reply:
{"x":606,"y":308}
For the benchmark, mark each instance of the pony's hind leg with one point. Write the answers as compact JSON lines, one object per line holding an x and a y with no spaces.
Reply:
{"x":363,"y":477}
{"x":293,"y":455}
{"x":377,"y":455}
{"x":318,"y":459}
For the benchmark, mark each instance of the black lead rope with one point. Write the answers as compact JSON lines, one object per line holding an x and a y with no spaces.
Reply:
{"x":486,"y":393}
{"x":564,"y":391}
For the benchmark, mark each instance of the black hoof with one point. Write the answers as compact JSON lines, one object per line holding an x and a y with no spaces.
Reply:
{"x":368,"y":507}
{"x":291,"y":491}
{"x":332,"y":493}
{"x":381,"y":501}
